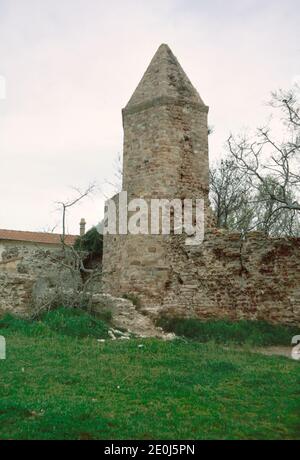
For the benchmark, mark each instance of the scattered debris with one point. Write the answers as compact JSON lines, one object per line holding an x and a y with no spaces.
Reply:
{"x":111,"y":335}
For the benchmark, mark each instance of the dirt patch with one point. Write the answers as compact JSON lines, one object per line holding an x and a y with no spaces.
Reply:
{"x":278,"y":350}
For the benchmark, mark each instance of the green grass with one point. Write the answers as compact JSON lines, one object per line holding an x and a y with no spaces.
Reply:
{"x":254,"y":333}
{"x":64,"y":321}
{"x":58,"y":382}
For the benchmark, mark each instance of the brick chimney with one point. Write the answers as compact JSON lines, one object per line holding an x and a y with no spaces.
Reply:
{"x":82,"y":227}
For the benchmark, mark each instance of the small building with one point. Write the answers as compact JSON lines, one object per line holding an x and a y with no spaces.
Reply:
{"x":14,"y":239}
{"x":30,"y":265}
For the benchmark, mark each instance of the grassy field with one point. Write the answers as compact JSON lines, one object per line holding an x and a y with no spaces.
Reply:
{"x":58,"y":382}
{"x":251,"y":333}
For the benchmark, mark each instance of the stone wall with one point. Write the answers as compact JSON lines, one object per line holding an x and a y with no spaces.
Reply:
{"x":15,"y":293}
{"x":27,"y":272}
{"x":225,"y":277}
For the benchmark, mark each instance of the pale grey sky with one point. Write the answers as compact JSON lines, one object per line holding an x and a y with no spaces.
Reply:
{"x":71,"y":65}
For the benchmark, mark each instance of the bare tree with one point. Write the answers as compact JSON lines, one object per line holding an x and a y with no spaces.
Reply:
{"x":257,"y":186}
{"x":66,"y":205}
{"x":71,"y":259}
{"x":269,"y":217}
{"x":264,"y":156}
{"x":229,"y":194}
{"x":288,"y":103}
{"x":239,"y":206}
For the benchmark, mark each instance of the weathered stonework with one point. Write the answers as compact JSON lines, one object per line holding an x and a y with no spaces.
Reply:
{"x":256,"y":278}
{"x":16,"y":291}
{"x":166,"y":156}
{"x":28,"y":272}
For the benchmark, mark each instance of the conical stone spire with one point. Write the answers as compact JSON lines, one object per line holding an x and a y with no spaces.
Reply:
{"x":164,"y":80}
{"x":165,"y":134}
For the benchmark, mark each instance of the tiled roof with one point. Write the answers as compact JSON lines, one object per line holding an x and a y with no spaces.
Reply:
{"x":36,"y":237}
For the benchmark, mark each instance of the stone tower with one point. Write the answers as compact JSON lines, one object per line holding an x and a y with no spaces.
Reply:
{"x":165,"y":133}
{"x":165,"y":156}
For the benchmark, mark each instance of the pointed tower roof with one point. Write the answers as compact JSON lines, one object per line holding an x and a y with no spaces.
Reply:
{"x":164,"y":79}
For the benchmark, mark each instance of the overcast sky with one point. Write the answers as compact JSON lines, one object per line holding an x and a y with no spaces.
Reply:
{"x":71,"y":65}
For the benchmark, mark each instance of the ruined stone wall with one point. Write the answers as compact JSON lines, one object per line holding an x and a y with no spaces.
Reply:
{"x":225,"y":277}
{"x":15,"y":293}
{"x":27,"y":271}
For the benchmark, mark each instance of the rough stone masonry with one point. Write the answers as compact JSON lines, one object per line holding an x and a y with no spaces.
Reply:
{"x":166,"y":156}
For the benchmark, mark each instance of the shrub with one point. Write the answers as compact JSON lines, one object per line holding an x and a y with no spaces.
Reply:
{"x":63,"y":321}
{"x":91,"y":242}
{"x":75,"y":323}
{"x":257,"y":333}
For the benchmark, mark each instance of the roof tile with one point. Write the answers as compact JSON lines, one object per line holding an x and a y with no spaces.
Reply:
{"x":36,"y":237}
